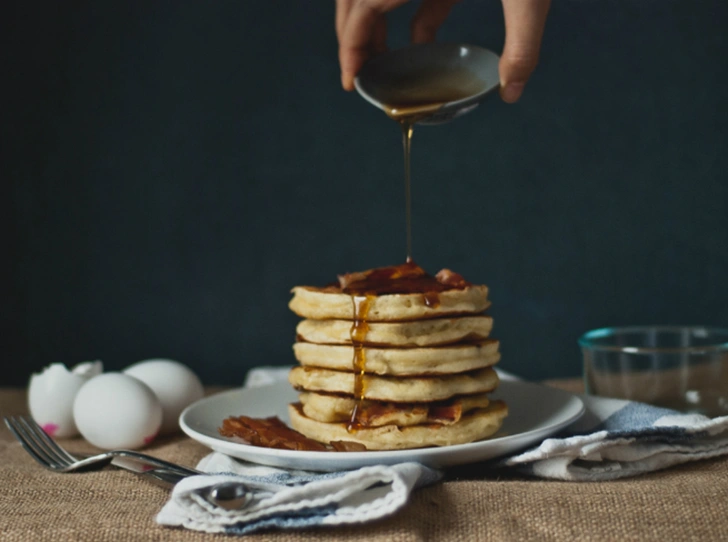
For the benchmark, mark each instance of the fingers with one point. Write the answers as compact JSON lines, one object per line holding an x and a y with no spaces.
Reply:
{"x":428,"y":19}
{"x":525,"y":21}
{"x":379,"y":36}
{"x":343,"y":7}
{"x":361,"y":29}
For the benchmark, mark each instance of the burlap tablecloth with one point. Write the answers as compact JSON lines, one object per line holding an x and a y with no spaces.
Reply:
{"x":685,"y":503}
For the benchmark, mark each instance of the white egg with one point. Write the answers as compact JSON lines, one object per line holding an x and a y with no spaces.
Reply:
{"x":174,"y":384}
{"x":115,"y":410}
{"x":51,"y":394}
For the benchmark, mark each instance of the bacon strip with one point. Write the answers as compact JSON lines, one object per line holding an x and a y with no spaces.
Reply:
{"x":269,"y":433}
{"x":451,"y":279}
{"x":445,"y":414}
{"x":374,"y":277}
{"x":347,"y":446}
{"x":273,"y":433}
{"x":372,"y":411}
{"x":406,"y":278}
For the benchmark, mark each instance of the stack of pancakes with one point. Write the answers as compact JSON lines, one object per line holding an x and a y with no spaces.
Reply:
{"x":393,"y":358}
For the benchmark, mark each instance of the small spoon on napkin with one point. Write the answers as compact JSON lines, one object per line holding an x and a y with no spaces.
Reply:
{"x":226,"y":495}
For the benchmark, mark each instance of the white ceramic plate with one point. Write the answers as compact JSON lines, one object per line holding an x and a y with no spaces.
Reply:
{"x":535,"y":412}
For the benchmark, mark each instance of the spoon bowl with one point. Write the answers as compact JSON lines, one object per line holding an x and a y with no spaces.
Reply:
{"x":431,"y":83}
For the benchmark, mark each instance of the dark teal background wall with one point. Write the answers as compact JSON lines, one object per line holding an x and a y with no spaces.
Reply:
{"x":171,"y":169}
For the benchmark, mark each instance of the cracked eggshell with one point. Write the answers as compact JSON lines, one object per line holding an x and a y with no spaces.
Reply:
{"x":174,"y":384}
{"x":114,"y":410}
{"x":51,"y":394}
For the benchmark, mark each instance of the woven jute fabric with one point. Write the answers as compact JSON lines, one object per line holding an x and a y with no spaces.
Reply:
{"x":689,"y":502}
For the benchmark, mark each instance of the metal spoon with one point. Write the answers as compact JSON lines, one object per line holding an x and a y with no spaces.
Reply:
{"x":229,"y":495}
{"x":226,"y":495}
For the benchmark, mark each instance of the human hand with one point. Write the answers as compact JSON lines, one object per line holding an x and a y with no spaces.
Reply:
{"x":361,"y":31}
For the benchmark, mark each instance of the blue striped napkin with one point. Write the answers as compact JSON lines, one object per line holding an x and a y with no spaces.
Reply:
{"x":613,"y":439}
{"x":617,"y":439}
{"x":287,"y":499}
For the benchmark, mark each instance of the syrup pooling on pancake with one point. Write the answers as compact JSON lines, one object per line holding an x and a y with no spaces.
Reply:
{"x":363,"y":286}
{"x":406,"y":278}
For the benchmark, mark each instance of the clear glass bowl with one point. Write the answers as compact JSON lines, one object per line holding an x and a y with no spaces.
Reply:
{"x":679,"y":367}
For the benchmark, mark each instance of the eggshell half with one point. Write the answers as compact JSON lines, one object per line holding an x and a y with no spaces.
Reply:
{"x":51,"y":394}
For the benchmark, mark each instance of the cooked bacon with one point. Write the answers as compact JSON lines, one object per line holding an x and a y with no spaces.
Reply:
{"x":406,"y":278}
{"x":445,"y":413}
{"x":269,"y":433}
{"x":375,"y":413}
{"x":273,"y":433}
{"x":347,"y":446}
{"x":451,"y":279}
{"x":372,"y":412}
{"x":376,"y":278}
{"x":346,"y":280}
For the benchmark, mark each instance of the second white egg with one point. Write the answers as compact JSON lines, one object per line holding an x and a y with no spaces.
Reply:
{"x":174,"y":384}
{"x":114,"y":410}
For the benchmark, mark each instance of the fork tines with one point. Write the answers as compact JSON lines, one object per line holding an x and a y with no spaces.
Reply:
{"x":38,"y":444}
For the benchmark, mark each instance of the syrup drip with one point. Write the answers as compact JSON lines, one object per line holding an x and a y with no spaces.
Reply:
{"x":358,"y":334}
{"x":431,"y":299}
{"x":407,"y":129}
{"x":408,"y":98}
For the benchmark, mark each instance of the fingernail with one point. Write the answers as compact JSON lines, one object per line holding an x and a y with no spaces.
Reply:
{"x":347,"y":81}
{"x":512,"y":92}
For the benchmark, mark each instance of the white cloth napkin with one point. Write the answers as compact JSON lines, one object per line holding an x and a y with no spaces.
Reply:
{"x":291,"y":499}
{"x":614,"y":439}
{"x":617,"y":439}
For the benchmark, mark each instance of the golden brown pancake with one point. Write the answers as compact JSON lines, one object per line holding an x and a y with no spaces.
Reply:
{"x":329,"y":303}
{"x":402,"y":334}
{"x":456,"y":358}
{"x":402,"y":390}
{"x":476,"y":425}
{"x":337,"y":408}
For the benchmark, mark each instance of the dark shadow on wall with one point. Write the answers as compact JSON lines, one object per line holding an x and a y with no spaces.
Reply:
{"x":171,"y":170}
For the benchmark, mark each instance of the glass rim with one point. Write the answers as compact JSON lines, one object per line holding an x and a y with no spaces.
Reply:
{"x":587,"y":340}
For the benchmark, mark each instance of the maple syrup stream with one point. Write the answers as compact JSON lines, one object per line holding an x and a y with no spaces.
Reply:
{"x":407,"y":129}
{"x":360,"y":326}
{"x":417,"y":98}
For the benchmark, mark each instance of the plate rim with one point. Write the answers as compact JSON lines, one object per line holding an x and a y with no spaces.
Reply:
{"x":255,"y":453}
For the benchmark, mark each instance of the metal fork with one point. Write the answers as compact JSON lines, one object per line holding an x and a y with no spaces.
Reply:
{"x":47,"y":452}
{"x":50,"y":455}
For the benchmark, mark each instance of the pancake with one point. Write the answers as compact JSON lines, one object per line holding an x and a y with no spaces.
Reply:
{"x":476,"y":425}
{"x":403,"y":390}
{"x":394,"y":358}
{"x":335,"y":408}
{"x":455,"y":358}
{"x":330,"y":303}
{"x":404,"y":334}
